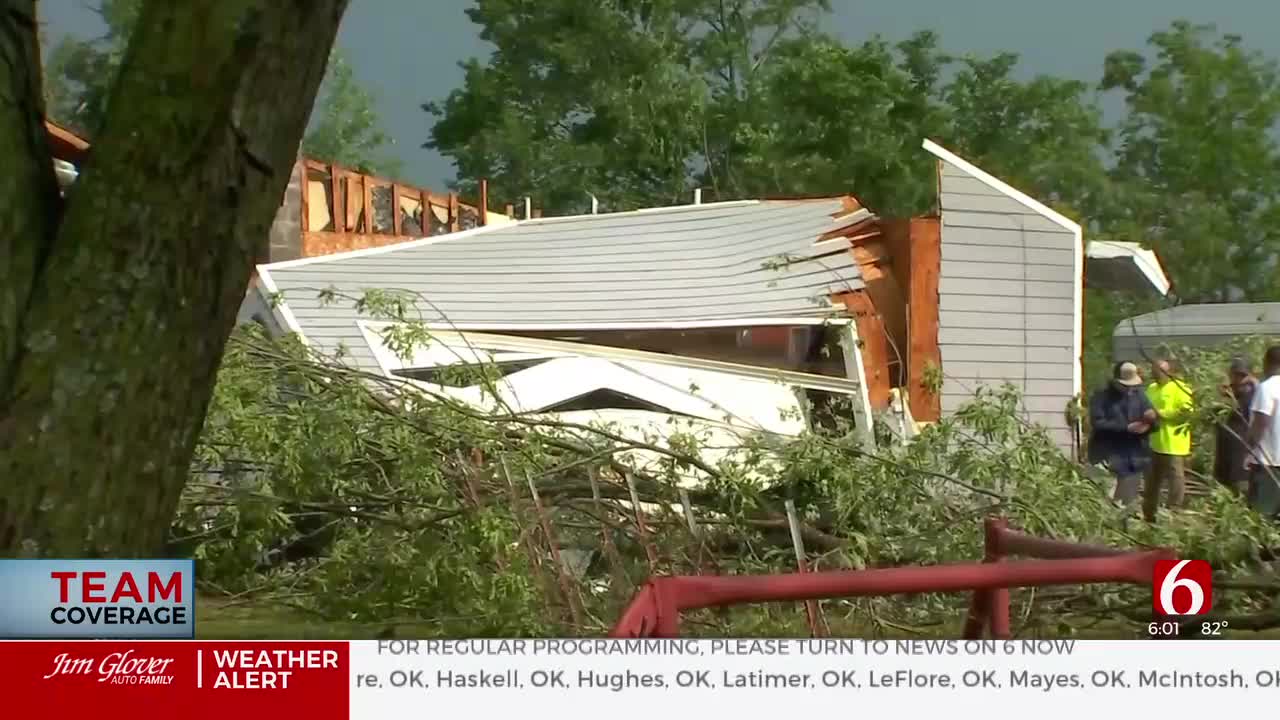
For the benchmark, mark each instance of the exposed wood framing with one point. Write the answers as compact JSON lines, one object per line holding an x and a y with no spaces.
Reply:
{"x":876,"y":352}
{"x":351,"y":210}
{"x":887,"y":301}
{"x":337,"y":207}
{"x":925,"y":243}
{"x":395,"y":210}
{"x":366,"y":200}
{"x":305,"y":204}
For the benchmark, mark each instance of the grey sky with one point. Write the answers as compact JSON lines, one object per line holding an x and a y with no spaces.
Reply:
{"x":407,"y":51}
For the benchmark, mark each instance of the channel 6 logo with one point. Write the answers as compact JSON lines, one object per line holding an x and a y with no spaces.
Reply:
{"x":1182,"y":587}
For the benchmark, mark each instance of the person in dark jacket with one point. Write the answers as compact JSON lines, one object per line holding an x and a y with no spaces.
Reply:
{"x":1229,"y":448}
{"x":1120,"y":421}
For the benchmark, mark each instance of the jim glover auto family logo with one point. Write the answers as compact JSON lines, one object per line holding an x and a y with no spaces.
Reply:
{"x":98,"y":599}
{"x":117,"y":668}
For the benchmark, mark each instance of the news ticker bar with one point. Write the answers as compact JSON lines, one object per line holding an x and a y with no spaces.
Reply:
{"x":637,"y":678}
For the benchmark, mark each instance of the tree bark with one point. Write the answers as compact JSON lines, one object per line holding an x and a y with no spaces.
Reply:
{"x":115,"y":312}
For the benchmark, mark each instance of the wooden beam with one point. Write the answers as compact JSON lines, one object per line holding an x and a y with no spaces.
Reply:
{"x":453,"y":212}
{"x":335,"y":201}
{"x":922,"y":316}
{"x":395,"y":209}
{"x":875,"y":346}
{"x":856,"y":230}
{"x":484,"y":201}
{"x":888,"y":299}
{"x":366,"y":189}
{"x":306,"y":201}
{"x":424,"y":212}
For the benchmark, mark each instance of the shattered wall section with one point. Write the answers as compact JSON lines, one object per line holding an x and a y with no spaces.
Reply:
{"x":340,"y":210}
{"x":284,"y":240}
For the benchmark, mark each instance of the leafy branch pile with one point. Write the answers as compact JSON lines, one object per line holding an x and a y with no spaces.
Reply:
{"x":355,"y":498}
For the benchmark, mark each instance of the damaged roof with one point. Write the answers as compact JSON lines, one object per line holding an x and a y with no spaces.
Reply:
{"x":708,"y":262}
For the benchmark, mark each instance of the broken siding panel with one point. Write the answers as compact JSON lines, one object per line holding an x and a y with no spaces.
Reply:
{"x":572,"y":285}
{"x":1005,"y":288}
{"x":662,"y":294}
{"x":999,"y":370}
{"x":1026,"y":269}
{"x":704,"y":262}
{"x":1028,"y":387}
{"x":1036,"y":306}
{"x":348,"y":340}
{"x":1051,"y":408}
{"x":1034,"y":225}
{"x":1007,"y":318}
{"x":1006,"y":353}
{"x":1006,"y":298}
{"x":1001,"y":338}
{"x":955,"y":319}
{"x":1009,"y":254}
{"x":966,"y":231}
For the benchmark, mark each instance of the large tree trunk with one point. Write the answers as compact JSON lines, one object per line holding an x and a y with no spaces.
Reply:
{"x":114,"y":309}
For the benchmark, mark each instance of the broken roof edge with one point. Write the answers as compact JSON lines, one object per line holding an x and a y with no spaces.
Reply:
{"x":390,"y":247}
{"x":277,"y":303}
{"x":1000,"y":186}
{"x":691,"y":207}
{"x":1144,"y":259}
{"x":513,"y":223}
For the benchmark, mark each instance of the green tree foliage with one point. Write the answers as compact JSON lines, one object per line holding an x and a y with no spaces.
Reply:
{"x":318,"y":486}
{"x":744,"y":98}
{"x":1198,"y":169}
{"x":344,"y":128}
{"x":837,"y":118}
{"x":79,"y":73}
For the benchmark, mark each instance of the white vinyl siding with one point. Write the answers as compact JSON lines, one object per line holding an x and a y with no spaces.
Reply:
{"x":718,"y":261}
{"x":1007,"y":299}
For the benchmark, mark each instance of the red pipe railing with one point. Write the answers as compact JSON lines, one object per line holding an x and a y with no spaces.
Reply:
{"x":655,"y":610}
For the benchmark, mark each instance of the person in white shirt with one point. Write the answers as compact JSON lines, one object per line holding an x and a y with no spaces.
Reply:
{"x":1264,"y":438}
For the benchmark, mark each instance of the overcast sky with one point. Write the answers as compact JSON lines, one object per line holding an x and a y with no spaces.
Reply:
{"x":407,"y":51}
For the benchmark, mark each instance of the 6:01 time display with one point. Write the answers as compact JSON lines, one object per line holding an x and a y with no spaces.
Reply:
{"x":1167,"y":629}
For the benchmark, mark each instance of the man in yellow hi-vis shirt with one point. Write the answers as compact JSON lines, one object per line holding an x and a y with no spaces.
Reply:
{"x":1170,"y":441}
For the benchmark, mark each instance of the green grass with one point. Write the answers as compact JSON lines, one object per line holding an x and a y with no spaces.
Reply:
{"x":219,"y":620}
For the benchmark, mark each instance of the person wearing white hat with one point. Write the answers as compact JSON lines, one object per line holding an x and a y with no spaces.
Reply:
{"x":1120,"y":421}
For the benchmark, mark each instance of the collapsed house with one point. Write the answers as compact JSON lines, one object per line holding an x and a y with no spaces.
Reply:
{"x":726,"y":313}
{"x":819,"y":295}
{"x":741,"y":315}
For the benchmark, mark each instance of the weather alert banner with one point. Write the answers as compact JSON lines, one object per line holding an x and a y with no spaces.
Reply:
{"x":192,"y":680}
{"x":587,"y":679}
{"x":137,"y":599}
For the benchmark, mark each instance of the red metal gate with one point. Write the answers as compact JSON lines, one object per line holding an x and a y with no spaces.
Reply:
{"x":655,"y":610}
